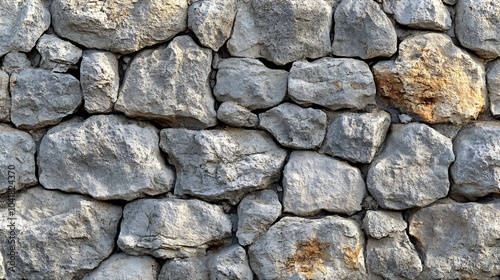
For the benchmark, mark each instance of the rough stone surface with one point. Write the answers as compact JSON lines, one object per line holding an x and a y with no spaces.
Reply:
{"x":363,"y":30}
{"x":298,"y":248}
{"x":476,"y":170}
{"x":170,"y":84}
{"x":379,"y":224}
{"x":356,"y":137}
{"x":168,"y":228}
{"x":236,"y":115}
{"x":453,"y":92}
{"x":477,"y":26}
{"x":185,"y":268}
{"x":256,"y":213}
{"x":105,"y":156}
{"x":60,"y":236}
{"x":458,"y":241}
{"x":282,"y":31}
{"x":123,"y":266}
{"x":412,"y":169}
{"x":249,"y":83}
{"x":17,"y":148}
{"x":119,"y":26}
{"x":294,"y":126}
{"x":100,"y":81}
{"x":15,"y":62}
{"x":57,"y":55}
{"x":4,"y":97}
{"x":423,"y":14}
{"x":41,"y":98}
{"x":493,"y":85}
{"x":230,"y":263}
{"x":313,"y":182}
{"x":335,"y":83}
{"x":23,"y":22}
{"x":212,"y":21}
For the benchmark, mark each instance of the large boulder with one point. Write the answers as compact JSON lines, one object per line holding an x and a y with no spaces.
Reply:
{"x":422,"y":14}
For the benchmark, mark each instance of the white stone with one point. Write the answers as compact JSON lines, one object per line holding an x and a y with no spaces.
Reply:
{"x":379,"y":224}
{"x":422,"y":14}
{"x":231,"y":263}
{"x":123,"y":266}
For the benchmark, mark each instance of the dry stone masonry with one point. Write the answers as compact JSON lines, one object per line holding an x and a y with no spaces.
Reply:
{"x":250,"y":139}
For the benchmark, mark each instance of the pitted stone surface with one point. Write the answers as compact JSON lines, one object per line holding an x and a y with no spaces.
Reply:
{"x":57,"y":55}
{"x":423,"y":14}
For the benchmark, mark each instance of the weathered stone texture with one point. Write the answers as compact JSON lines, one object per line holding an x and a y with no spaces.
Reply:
{"x":422,"y":14}
{"x":57,"y":55}
{"x":4,"y":97}
{"x":236,"y":115}
{"x":493,"y":84}
{"x":123,"y":266}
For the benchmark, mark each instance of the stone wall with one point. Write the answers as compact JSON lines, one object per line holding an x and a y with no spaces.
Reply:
{"x":250,"y":139}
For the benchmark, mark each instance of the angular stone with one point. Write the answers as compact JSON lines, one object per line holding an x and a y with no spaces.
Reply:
{"x":313,"y":182}
{"x":476,"y":170}
{"x":169,"y":228}
{"x":212,"y":21}
{"x":170,"y":84}
{"x":57,"y":55}
{"x":256,"y":213}
{"x":23,"y":22}
{"x":100,"y":81}
{"x":222,"y":164}
{"x":185,"y":268}
{"x":458,"y":241}
{"x":335,"y":83}
{"x":294,"y":126}
{"x":118,"y":26}
{"x":249,"y":83}
{"x":412,"y":169}
{"x":235,"y":115}
{"x":15,"y":62}
{"x":59,"y":236}
{"x":41,"y":98}
{"x":422,"y":14}
{"x":477,"y":26}
{"x":4,"y":97}
{"x":453,"y":92}
{"x":282,"y":31}
{"x":123,"y":266}
{"x":105,"y":156}
{"x":493,"y":84}
{"x":298,"y":248}
{"x":379,"y":224}
{"x":363,"y":30}
{"x":356,"y":137}
{"x":230,"y":263}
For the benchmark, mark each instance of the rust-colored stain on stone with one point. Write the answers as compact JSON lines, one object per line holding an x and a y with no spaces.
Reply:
{"x":309,"y":258}
{"x":351,"y":257}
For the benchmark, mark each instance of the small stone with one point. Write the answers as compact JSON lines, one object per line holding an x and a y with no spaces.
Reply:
{"x":294,"y":126}
{"x":356,"y":137}
{"x":212,"y":21}
{"x":422,"y":14}
{"x":453,"y":92}
{"x":185,"y":268}
{"x":412,"y":169}
{"x":230,"y":263}
{"x":41,"y":98}
{"x":493,"y":83}
{"x":170,"y":228}
{"x":450,"y":2}
{"x":257,"y":211}
{"x":249,"y":83}
{"x":363,"y":30}
{"x":379,"y":224}
{"x":123,"y":266}
{"x":335,"y":83}
{"x":4,"y":97}
{"x":235,"y":115}
{"x":404,"y":118}
{"x":100,"y":81}
{"x":15,"y":62}
{"x":57,"y":55}
{"x":170,"y":84}
{"x":313,"y":182}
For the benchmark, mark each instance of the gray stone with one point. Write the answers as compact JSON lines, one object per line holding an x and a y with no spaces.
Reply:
{"x":282,"y":31}
{"x":475,"y":171}
{"x":4,"y":97}
{"x":294,"y":126}
{"x":230,"y":263}
{"x":222,"y":164}
{"x":450,"y":2}
{"x":41,"y":98}
{"x":185,"y":268}
{"x":335,"y":83}
{"x":57,"y":55}
{"x":412,"y":169}
{"x":17,"y":159}
{"x":256,"y":213}
{"x":170,"y":84}
{"x":458,"y":241}
{"x":123,"y":266}
{"x":298,"y":248}
{"x":23,"y":22}
{"x":363,"y":30}
{"x":493,"y":84}
{"x":236,"y":115}
{"x":59,"y":236}
{"x":313,"y":182}
{"x":105,"y":156}
{"x":379,"y":224}
{"x":169,"y":228}
{"x":15,"y":62}
{"x":249,"y":83}
{"x":212,"y":21}
{"x":422,"y":14}
{"x":356,"y":137}
{"x":477,"y":26}
{"x":119,"y":26}
{"x":100,"y":81}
